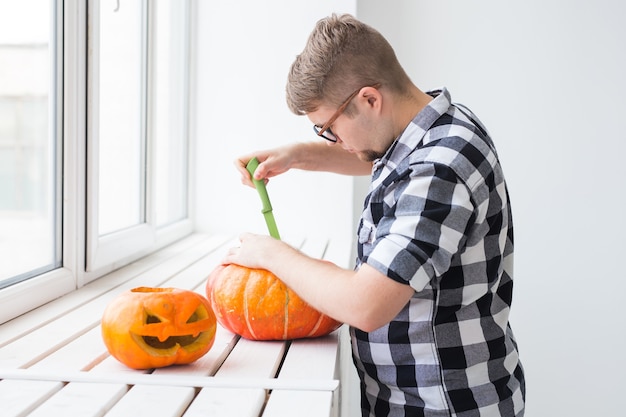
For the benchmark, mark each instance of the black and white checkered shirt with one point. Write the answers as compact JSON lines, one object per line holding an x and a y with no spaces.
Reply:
{"x":438,"y":218}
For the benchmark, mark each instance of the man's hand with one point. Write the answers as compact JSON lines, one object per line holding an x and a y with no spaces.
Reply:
{"x":272,"y":162}
{"x":252,"y":251}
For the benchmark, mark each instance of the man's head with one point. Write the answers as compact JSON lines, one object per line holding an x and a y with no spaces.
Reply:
{"x":342,"y":55}
{"x":348,"y":69}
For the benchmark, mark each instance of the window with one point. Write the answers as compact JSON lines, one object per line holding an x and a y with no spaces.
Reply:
{"x":137,"y":126}
{"x":94,"y":146}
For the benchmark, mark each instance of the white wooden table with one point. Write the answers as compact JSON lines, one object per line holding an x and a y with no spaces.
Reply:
{"x":53,"y":361}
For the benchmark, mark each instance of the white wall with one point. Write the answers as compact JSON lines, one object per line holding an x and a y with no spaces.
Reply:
{"x":245,"y":49}
{"x":549,"y":80}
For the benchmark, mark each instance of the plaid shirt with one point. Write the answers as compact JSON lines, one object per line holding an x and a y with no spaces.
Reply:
{"x":438,"y":218}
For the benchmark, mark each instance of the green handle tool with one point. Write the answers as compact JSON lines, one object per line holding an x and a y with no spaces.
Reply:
{"x":265,"y":199}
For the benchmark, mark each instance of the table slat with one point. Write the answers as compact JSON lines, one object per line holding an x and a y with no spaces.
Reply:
{"x":80,"y":354}
{"x":153,"y":401}
{"x":80,"y":399}
{"x":18,"y":398}
{"x":286,"y":403}
{"x":311,"y":358}
{"x":253,"y":359}
{"x":227,"y":402}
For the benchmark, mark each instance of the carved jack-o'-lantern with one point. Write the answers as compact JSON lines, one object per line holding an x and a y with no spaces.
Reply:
{"x":155,"y":327}
{"x":255,"y":304}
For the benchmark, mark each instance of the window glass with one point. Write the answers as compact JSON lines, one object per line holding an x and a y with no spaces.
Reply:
{"x":120,"y":84}
{"x":170,"y":97}
{"x":29,"y":183}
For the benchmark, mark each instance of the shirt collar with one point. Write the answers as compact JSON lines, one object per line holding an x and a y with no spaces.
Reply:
{"x":413,"y":135}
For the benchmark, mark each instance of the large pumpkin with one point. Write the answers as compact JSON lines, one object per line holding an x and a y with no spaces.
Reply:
{"x":255,"y":304}
{"x":156,"y":327}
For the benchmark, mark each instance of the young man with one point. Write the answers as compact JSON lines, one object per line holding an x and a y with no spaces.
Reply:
{"x":428,"y":302}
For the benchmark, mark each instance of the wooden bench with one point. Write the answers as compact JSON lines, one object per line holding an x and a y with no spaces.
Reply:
{"x":53,"y":361}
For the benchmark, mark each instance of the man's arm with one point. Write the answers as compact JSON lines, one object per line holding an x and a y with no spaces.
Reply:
{"x":365,"y":299}
{"x":309,"y":156}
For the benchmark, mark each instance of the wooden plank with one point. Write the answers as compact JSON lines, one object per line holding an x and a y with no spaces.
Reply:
{"x":253,"y":359}
{"x":138,"y":378}
{"x":312,"y":358}
{"x":18,"y":398}
{"x":153,"y":401}
{"x":227,"y":402}
{"x":110,"y":365}
{"x":81,"y":400}
{"x":286,"y":403}
{"x":81,"y":354}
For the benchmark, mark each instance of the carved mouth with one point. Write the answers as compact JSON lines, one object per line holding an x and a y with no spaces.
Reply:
{"x":172,"y":341}
{"x":170,"y":344}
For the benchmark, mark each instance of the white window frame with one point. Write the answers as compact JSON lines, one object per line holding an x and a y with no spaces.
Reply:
{"x":76,"y":200}
{"x":106,"y":251}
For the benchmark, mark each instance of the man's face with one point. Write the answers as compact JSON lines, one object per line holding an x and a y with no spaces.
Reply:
{"x":360,"y":133}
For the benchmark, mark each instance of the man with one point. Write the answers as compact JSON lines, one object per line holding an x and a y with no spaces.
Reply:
{"x":428,"y":302}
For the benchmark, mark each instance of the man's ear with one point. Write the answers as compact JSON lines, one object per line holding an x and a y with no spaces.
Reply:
{"x":372,"y":95}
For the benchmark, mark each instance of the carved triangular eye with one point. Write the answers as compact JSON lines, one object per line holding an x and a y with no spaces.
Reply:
{"x":194,"y":317}
{"x":152,"y":319}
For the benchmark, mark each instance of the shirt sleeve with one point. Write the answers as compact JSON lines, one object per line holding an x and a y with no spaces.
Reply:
{"x":425,"y":216}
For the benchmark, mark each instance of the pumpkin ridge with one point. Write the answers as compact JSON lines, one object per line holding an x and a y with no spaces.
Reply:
{"x":286,"y":323}
{"x":317,"y":325}
{"x":246,"y":313}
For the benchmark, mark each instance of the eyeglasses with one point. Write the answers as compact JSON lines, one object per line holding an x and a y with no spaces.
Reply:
{"x":325,"y":131}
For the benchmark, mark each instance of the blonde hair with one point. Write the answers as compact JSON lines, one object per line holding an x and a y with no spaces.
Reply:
{"x":341,"y":55}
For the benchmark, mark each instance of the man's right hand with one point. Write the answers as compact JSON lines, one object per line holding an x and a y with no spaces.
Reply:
{"x":272,"y":162}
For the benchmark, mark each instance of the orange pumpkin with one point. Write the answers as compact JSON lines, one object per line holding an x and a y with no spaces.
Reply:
{"x":255,"y":304}
{"x":156,"y":327}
